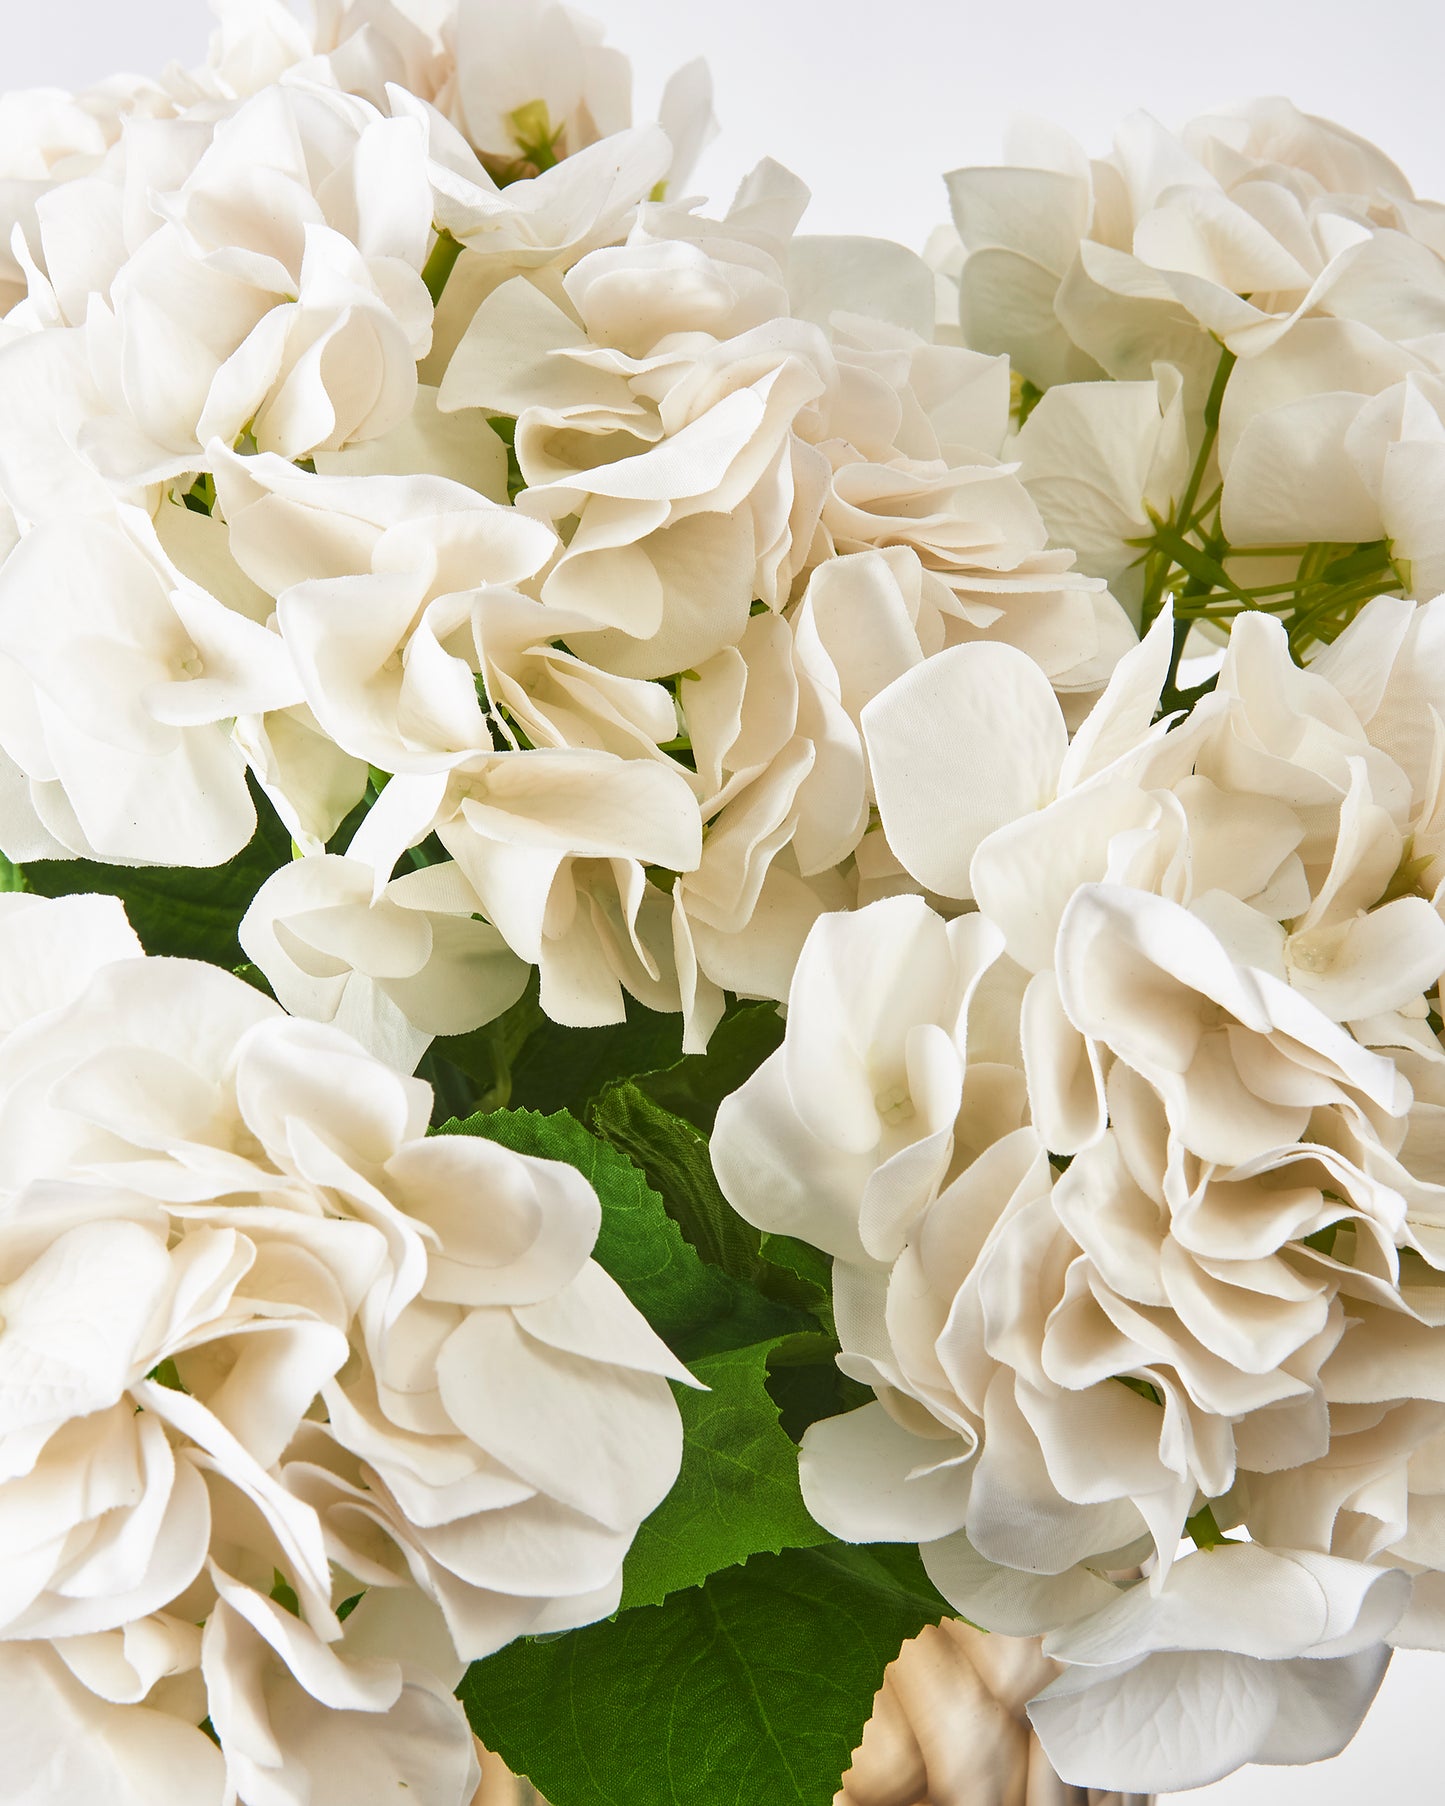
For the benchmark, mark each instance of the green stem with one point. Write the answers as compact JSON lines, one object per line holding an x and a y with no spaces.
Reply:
{"x":1183,"y":515}
{"x":1206,"y":508}
{"x":1206,"y":574}
{"x":440,"y":264}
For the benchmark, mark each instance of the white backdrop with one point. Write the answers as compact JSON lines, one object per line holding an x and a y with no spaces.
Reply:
{"x":870,"y":101}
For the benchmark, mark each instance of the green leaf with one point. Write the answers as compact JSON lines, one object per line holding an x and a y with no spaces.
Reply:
{"x":675,"y":1157}
{"x":186,"y":912}
{"x":753,"y":1689}
{"x":738,"y":1492}
{"x":898,"y":1569}
{"x":805,"y":1383}
{"x":811,"y":1269}
{"x":697,"y":1083}
{"x":564,"y":1068}
{"x":488,"y":1054}
{"x":695,"y":1308}
{"x":11,"y":876}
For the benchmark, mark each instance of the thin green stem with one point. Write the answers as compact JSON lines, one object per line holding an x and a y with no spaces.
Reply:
{"x":439,"y":266}
{"x":1182,"y":520}
{"x":1213,"y":403}
{"x":1200,"y":567}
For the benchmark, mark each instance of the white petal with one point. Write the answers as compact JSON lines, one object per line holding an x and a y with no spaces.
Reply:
{"x":63,"y":1743}
{"x":614,"y":1437}
{"x":1005,"y":1599}
{"x":962,"y":744}
{"x":858,"y":1478}
{"x":1173,"y":1721}
{"x":593,"y":1317}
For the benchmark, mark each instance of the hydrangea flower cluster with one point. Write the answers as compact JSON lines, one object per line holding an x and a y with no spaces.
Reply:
{"x":1022,"y":660}
{"x":1126,"y":1157}
{"x":1263,"y":277}
{"x":268,"y":1351}
{"x":617,"y":504}
{"x":1126,"y":1162}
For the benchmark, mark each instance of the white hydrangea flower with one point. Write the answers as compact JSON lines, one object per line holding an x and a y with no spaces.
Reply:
{"x":393,"y":964}
{"x":122,"y":679}
{"x":1203,"y":954}
{"x":257,"y":1325}
{"x":1263,"y":275}
{"x":702,"y":416}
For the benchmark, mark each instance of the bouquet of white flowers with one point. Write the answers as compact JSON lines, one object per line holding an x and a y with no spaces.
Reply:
{"x":599,"y":798}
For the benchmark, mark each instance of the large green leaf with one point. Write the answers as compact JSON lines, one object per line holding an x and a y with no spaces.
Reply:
{"x":805,"y":1383}
{"x":697,"y":1309}
{"x":750,"y":1691}
{"x":564,"y":1068}
{"x":696,"y":1084}
{"x":737,"y":1494}
{"x":675,"y":1157}
{"x":187,"y":912}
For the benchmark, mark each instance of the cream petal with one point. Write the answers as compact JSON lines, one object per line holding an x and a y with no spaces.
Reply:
{"x":861,"y":1480}
{"x":1177,"y":1720}
{"x":73,"y":1323}
{"x":616,"y":1437}
{"x":53,"y":947}
{"x":123,"y":1665}
{"x":959,"y":746}
{"x":1016,"y":1516}
{"x":1005,"y":1599}
{"x":593,"y":1317}
{"x":1297,"y":1602}
{"x":778,"y":1175}
{"x":536,"y":1549}
{"x":1065,"y":1080}
{"x":512,"y":1229}
{"x":862,"y":984}
{"x":61,"y":1741}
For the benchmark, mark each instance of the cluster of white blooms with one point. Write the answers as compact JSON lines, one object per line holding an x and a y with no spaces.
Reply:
{"x":1130,"y":1165}
{"x":266,"y":1348}
{"x":673,"y":604}
{"x":383,"y":422}
{"x":1129,"y":1159}
{"x":1258,"y":235}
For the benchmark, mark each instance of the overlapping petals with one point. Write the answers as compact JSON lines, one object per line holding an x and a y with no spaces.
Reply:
{"x":1130,"y":1179}
{"x":266,"y":1348}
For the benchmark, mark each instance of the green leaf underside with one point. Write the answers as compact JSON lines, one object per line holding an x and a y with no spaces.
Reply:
{"x":750,"y":1691}
{"x":674,"y":1156}
{"x":524,"y":1060}
{"x":183,"y":912}
{"x":805,"y":1383}
{"x":696,"y":1309}
{"x":694,"y":1085}
{"x":737,"y":1494}
{"x":564,"y":1068}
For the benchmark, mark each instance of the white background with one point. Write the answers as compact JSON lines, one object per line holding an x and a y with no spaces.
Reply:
{"x":870,"y":101}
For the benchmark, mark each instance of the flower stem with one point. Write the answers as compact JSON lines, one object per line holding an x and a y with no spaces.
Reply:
{"x":1183,"y":516}
{"x":441,"y":263}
